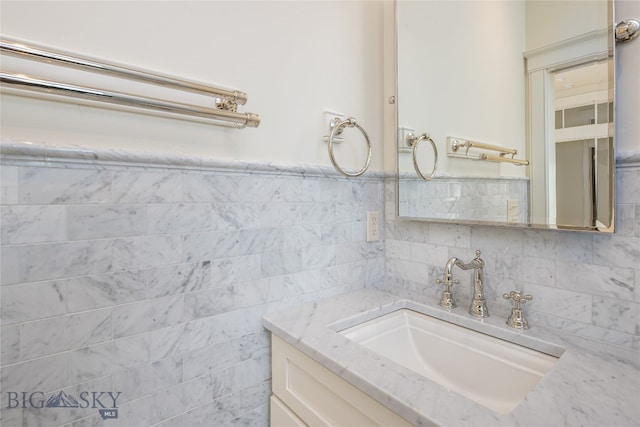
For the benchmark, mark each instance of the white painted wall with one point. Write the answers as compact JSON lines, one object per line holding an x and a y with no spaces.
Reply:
{"x":323,"y":55}
{"x":454,"y":83}
{"x":294,"y":59}
{"x":550,"y":21}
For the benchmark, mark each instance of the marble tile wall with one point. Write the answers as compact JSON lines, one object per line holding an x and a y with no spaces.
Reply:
{"x":464,"y":198}
{"x":152,"y":281}
{"x":582,"y":283}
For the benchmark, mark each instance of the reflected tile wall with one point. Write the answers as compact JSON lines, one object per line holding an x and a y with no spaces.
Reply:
{"x":464,"y":198}
{"x":585,"y":284}
{"x":152,"y":281}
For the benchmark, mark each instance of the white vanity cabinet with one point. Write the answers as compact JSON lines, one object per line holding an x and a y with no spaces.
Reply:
{"x":306,"y":393}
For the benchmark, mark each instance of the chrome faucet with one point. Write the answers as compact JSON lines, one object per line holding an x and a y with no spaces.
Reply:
{"x":478,"y":306}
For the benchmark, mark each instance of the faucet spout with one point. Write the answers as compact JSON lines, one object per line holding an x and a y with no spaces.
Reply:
{"x":478,"y":307}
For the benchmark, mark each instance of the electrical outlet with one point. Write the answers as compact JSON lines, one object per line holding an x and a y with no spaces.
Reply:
{"x":373,"y":226}
{"x":512,"y":211}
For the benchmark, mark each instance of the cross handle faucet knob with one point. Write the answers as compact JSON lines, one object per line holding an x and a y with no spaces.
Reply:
{"x":517,"y":320}
{"x":517,"y":298}
{"x":447,"y":300}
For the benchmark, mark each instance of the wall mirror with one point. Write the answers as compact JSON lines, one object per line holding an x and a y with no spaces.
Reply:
{"x":505,"y":112}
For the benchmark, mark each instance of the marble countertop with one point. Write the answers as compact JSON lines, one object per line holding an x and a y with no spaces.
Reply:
{"x":593,"y":384}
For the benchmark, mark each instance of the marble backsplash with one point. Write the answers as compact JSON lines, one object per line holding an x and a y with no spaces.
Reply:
{"x":583,"y":283}
{"x":121,"y":273}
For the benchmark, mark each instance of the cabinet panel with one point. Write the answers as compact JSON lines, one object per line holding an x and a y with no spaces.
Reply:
{"x":321,"y":398}
{"x":281,"y":416}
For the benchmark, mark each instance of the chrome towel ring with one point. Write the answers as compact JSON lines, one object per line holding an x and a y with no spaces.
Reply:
{"x":414,"y":141}
{"x":337,"y":127}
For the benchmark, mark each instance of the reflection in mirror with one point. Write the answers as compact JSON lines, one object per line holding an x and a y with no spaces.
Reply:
{"x":489,"y":86}
{"x":583,"y":114}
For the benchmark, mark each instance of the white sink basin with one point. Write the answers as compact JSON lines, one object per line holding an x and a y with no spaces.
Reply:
{"x":495,"y":373}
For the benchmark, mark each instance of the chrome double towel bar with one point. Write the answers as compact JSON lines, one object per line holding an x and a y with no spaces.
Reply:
{"x":223,"y":111}
{"x":458,"y":147}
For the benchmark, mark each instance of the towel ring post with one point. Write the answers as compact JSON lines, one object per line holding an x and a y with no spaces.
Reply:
{"x":336,"y":129}
{"x":414,"y":141}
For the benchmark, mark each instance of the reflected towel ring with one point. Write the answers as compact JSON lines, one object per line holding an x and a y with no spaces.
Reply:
{"x":414,"y":141}
{"x":336,"y":129}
